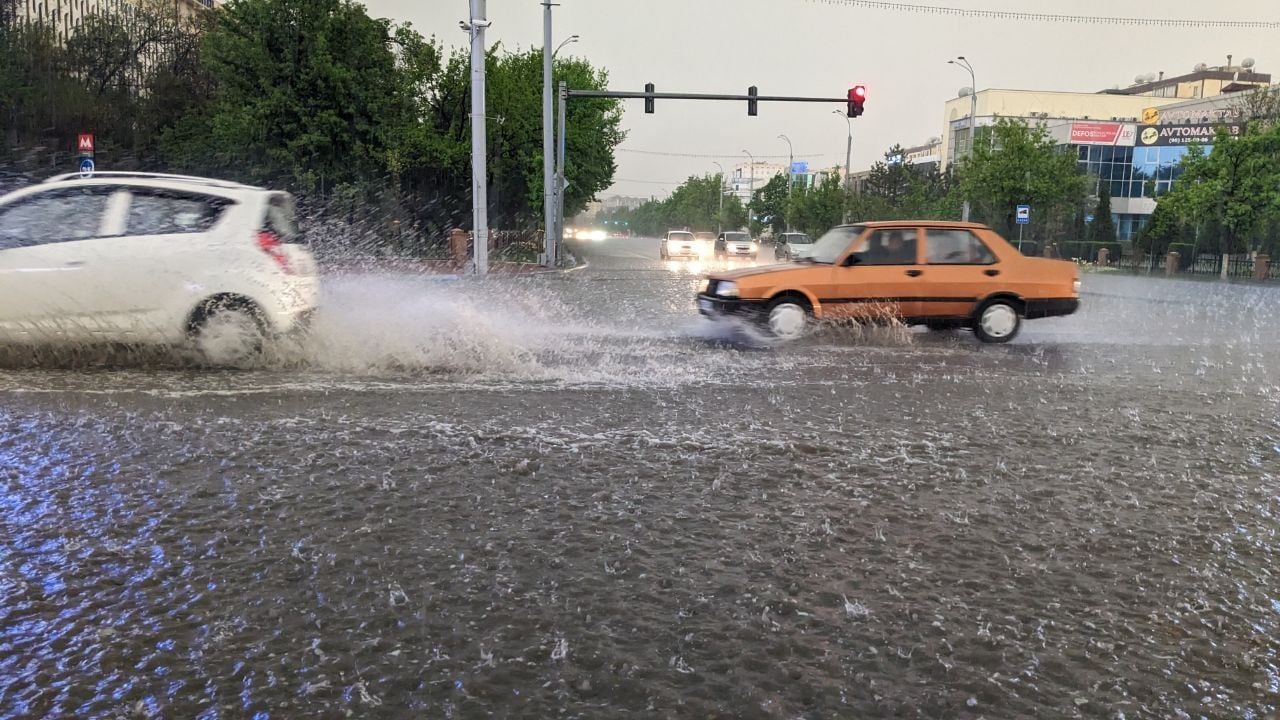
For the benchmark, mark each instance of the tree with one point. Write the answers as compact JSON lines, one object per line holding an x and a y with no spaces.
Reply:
{"x":1022,"y":164}
{"x":817,"y":209}
{"x":1104,"y":226}
{"x":1236,"y":188}
{"x":769,"y":204}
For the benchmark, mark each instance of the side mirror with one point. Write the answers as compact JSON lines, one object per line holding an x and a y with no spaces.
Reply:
{"x":852,"y":260}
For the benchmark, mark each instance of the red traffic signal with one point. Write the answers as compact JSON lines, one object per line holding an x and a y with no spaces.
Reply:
{"x":857,"y":98}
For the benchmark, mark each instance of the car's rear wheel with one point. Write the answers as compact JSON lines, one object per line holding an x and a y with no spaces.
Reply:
{"x":787,"y":317}
{"x":997,"y":321}
{"x":228,"y":333}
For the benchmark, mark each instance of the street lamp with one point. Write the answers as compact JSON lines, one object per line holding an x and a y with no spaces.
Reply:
{"x":791,"y":180}
{"x":848,"y":158}
{"x":720,"y":214}
{"x":973,"y":112}
{"x":751,"y":192}
{"x":569,"y":40}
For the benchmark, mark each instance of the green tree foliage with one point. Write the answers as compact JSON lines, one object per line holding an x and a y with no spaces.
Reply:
{"x":694,"y":205}
{"x":1022,"y":164}
{"x":769,"y":204}
{"x":818,"y":209}
{"x":895,"y":190}
{"x":1103,"y":228}
{"x":1232,"y":193}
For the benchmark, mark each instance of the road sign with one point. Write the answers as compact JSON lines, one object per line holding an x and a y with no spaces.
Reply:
{"x":85,"y":144}
{"x":1024,"y":214}
{"x":86,"y":167}
{"x":1088,"y":218}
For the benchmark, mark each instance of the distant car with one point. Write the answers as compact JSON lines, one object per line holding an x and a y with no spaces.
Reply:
{"x":140,"y":258}
{"x":931,"y":273}
{"x":680,"y":244}
{"x":792,"y":246}
{"x":736,"y":244}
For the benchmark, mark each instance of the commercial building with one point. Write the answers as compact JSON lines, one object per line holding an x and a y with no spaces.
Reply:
{"x":1133,"y":139}
{"x":65,"y":17}
{"x":740,"y":183}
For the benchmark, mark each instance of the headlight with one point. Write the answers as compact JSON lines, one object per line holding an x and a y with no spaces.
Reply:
{"x":727,"y":288}
{"x":1075,"y":286}
{"x":704,"y":285}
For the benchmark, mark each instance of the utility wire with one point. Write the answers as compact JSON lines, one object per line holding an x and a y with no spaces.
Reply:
{"x":737,"y":156}
{"x":1056,"y":17}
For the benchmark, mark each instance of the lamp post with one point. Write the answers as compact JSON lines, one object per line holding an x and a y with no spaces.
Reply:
{"x":557,"y":229}
{"x":973,"y":112}
{"x":720,"y":212}
{"x":848,"y":158}
{"x":567,"y":41}
{"x":791,"y":179}
{"x":751,"y":192}
{"x":548,"y":142}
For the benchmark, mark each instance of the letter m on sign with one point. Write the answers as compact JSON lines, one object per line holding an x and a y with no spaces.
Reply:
{"x":85,"y":144}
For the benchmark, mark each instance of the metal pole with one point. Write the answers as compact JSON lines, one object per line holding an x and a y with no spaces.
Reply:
{"x":848,"y":168}
{"x":563,"y":129}
{"x":973,"y":114}
{"x":720,"y":188}
{"x":1020,"y":237}
{"x":751,"y":192}
{"x":548,"y":141}
{"x":791,"y":178}
{"x":479,"y":140}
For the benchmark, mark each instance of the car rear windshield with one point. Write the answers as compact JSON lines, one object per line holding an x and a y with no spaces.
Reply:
{"x":280,"y":219}
{"x":680,"y":236}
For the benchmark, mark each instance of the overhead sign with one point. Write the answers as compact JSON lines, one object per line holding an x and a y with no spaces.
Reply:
{"x":800,"y":167}
{"x":1103,"y":133}
{"x":1161,"y":135}
{"x":86,"y":167}
{"x":1155,"y":116}
{"x":85,"y":144}
{"x":1024,"y":214}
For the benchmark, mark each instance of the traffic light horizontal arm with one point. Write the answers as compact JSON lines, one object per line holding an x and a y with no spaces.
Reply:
{"x":623,"y":95}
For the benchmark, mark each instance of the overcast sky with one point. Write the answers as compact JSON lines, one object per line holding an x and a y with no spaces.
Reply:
{"x":820,"y":48}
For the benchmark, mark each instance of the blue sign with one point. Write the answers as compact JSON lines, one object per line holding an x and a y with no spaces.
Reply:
{"x":1088,"y":218}
{"x":86,"y":167}
{"x":800,"y":167}
{"x":1024,"y":214}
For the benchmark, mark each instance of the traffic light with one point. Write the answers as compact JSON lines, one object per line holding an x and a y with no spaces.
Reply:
{"x":752,"y":103}
{"x":648,"y":101}
{"x":857,"y":98}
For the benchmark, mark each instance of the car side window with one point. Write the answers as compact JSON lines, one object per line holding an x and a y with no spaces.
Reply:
{"x":56,"y":216}
{"x":281,"y":219}
{"x":957,"y":247}
{"x":890,"y":247}
{"x":165,"y":213}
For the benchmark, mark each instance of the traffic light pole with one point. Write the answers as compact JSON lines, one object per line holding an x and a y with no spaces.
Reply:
{"x":548,"y":140}
{"x":560,"y":182}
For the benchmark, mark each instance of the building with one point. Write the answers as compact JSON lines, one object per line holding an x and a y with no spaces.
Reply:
{"x":64,"y":17}
{"x":1133,"y":140}
{"x":740,"y":181}
{"x":1202,"y":82}
{"x":619,"y":202}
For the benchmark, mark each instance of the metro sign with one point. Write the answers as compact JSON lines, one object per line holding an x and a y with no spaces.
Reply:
{"x":85,"y":143}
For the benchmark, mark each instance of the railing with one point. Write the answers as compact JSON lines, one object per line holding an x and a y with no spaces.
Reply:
{"x":1239,"y":267}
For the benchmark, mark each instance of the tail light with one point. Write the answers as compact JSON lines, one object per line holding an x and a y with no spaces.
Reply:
{"x":269,"y":243}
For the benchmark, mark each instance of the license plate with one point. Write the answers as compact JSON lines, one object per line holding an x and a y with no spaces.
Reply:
{"x":704,"y":305}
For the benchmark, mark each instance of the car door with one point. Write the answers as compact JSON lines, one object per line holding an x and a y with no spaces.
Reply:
{"x":50,"y":284}
{"x":960,"y":269}
{"x":885,"y":278}
{"x":168,"y":245}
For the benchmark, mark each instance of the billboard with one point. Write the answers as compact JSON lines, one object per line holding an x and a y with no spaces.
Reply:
{"x":1103,"y":133}
{"x":1163,"y":135}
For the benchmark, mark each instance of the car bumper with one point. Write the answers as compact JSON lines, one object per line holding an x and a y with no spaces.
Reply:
{"x":683,"y":252}
{"x":714,"y":307}
{"x":1052,"y":307}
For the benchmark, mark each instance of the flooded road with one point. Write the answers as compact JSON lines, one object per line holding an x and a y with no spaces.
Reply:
{"x":569,"y":496}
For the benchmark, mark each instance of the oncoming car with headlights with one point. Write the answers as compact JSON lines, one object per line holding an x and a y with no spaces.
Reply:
{"x":939,"y":274}
{"x":736,"y":244}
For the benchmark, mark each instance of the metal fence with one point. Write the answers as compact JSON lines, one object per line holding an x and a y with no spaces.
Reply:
{"x":1240,"y":267}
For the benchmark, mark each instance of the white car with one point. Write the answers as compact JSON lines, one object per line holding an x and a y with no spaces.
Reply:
{"x":792,"y":246}
{"x":680,"y":243}
{"x":141,"y":258}
{"x":736,"y":244}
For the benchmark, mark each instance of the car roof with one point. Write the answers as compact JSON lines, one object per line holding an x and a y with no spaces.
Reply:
{"x":183,"y":183}
{"x":922,"y":223}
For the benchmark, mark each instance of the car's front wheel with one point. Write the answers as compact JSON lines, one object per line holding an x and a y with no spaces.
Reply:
{"x":228,"y":333}
{"x":997,"y":321}
{"x":787,"y":317}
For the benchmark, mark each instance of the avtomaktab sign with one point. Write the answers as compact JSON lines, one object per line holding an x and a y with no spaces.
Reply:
{"x":1162,"y":135}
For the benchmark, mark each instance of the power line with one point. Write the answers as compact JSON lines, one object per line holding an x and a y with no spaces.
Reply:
{"x":1055,"y":17}
{"x":737,"y":156}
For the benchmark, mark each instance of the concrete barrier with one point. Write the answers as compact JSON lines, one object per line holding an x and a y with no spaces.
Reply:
{"x":1261,"y":266}
{"x":1171,"y":264}
{"x":1104,"y":256}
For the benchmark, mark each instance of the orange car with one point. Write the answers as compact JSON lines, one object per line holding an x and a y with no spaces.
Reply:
{"x":940,"y":274}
